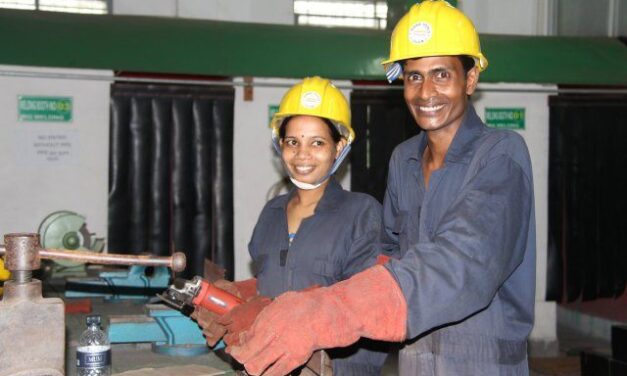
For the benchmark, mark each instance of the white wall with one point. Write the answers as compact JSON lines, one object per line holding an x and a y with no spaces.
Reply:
{"x":162,"y":8}
{"x":536,"y":135}
{"x":529,"y":17}
{"x":256,"y":166}
{"x":266,"y":11}
{"x":33,"y":186}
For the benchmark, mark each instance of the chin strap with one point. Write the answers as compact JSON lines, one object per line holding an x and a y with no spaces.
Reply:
{"x":305,"y":186}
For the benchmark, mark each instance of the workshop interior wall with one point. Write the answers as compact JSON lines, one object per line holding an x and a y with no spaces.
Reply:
{"x":49,"y":166}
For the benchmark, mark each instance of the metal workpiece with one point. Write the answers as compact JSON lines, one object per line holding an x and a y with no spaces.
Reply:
{"x":176,"y":262}
{"x":23,"y":252}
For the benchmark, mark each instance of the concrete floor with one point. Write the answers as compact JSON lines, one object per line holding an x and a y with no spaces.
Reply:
{"x":563,"y":363}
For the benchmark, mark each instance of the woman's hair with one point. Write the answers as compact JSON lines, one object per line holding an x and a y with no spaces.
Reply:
{"x":335,"y":134}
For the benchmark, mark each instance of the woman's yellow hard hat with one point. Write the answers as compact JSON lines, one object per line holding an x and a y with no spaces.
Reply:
{"x":315,"y":96}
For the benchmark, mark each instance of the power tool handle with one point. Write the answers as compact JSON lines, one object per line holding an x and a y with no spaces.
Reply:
{"x":215,"y":299}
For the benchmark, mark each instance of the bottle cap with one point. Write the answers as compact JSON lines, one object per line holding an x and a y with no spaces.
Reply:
{"x":93,"y":320}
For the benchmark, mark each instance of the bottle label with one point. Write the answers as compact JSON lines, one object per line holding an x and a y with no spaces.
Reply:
{"x":93,"y":356}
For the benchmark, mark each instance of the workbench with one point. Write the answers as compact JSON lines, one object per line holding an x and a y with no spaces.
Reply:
{"x":126,"y":357}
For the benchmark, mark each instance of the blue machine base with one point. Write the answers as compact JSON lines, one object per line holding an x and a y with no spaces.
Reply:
{"x":170,"y":331}
{"x":135,"y":283}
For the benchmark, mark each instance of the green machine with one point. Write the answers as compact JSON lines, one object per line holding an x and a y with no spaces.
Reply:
{"x":68,"y":230}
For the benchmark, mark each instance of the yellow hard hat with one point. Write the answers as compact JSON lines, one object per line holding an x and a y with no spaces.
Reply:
{"x":315,"y":96}
{"x":4,"y":274}
{"x":433,"y":28}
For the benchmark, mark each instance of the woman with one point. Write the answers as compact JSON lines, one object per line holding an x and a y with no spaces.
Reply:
{"x":318,"y":233}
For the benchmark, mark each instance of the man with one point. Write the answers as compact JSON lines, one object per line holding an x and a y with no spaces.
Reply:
{"x":458,"y":211}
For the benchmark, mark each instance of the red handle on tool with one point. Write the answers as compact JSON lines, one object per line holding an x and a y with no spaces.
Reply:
{"x":215,"y":300}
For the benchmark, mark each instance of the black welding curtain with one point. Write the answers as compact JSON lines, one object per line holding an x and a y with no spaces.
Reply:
{"x":171,"y":172}
{"x":587,"y":197}
{"x":381,"y":121}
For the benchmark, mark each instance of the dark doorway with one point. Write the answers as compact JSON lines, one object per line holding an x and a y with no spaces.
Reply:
{"x":587,"y":197}
{"x":381,"y":121}
{"x":171,"y":172}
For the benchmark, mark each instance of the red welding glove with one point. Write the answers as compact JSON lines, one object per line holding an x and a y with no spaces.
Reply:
{"x":208,"y":321}
{"x":241,"y":318}
{"x":244,"y":290}
{"x":382,"y":259}
{"x":288,"y":331}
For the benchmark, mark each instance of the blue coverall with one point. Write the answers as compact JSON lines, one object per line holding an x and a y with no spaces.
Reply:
{"x":339,"y":240}
{"x":467,"y":248}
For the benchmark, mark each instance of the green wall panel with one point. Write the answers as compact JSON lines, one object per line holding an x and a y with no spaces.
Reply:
{"x":184,"y":46}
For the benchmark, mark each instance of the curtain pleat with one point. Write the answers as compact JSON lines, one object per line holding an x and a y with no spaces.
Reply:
{"x":160,"y":172}
{"x":138,"y":173}
{"x":171,"y":158}
{"x":182,"y":169}
{"x":201,"y":190}
{"x":118,"y":201}
{"x":221,"y":160}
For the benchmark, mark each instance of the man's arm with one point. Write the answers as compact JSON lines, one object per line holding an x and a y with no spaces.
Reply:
{"x":477,"y":244}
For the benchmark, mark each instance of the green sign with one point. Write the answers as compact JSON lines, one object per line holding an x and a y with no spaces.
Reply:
{"x":507,"y":118}
{"x":272,"y":109}
{"x":51,"y":109}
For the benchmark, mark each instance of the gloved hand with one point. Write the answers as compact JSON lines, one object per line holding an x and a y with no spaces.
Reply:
{"x":241,"y":318}
{"x":244,"y":290}
{"x":285,"y":334}
{"x":208,"y":321}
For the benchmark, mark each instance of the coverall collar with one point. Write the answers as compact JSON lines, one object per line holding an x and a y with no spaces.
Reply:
{"x":468,"y":131}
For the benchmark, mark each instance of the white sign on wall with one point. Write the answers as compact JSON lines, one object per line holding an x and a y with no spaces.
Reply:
{"x":46,"y":147}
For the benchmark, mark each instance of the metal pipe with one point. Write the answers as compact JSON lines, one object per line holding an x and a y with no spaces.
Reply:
{"x":176,"y":262}
{"x":271,"y":84}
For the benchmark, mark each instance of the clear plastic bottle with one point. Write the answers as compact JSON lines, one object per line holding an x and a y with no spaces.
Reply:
{"x":93,"y":354}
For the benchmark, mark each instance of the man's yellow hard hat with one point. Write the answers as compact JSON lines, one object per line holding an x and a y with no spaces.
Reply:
{"x":433,"y":28}
{"x":315,"y":96}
